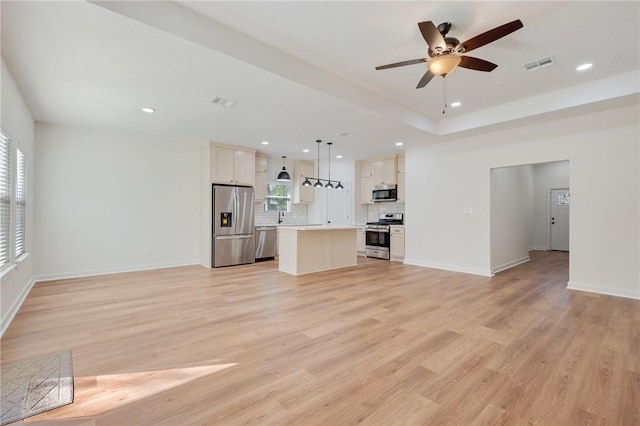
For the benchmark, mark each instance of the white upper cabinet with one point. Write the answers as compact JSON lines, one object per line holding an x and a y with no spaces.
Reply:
{"x":302,"y":194}
{"x":400,"y":179}
{"x":261,"y":177}
{"x":232,"y":165}
{"x":384,"y":171}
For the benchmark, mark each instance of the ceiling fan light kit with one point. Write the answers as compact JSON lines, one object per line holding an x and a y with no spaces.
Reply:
{"x":444,"y":65}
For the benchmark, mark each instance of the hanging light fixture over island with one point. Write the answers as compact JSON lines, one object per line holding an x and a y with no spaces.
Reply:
{"x":318,"y":180}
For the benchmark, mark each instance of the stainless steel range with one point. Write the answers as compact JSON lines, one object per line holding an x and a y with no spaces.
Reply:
{"x":378,"y":235}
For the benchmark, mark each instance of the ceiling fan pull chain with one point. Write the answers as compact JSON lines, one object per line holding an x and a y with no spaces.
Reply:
{"x":444,"y":94}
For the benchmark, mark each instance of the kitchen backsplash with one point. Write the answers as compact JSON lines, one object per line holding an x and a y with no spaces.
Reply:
{"x":374,"y":210}
{"x":297,"y":215}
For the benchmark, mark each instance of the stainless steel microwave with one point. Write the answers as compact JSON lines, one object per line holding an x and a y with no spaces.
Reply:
{"x":384,"y":193}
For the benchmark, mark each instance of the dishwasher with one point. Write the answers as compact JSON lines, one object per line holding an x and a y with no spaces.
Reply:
{"x":266,"y":240}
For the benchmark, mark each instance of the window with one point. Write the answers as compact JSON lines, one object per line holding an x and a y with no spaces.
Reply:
{"x":13,"y":201}
{"x":278,"y":197}
{"x":5,"y":199}
{"x":21,"y":202}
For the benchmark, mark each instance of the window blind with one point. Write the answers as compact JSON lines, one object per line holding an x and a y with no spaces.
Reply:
{"x":21,"y":202}
{"x":5,"y":199}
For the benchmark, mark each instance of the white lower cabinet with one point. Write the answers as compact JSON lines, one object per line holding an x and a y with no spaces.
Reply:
{"x":361,"y":240}
{"x":396,"y":251}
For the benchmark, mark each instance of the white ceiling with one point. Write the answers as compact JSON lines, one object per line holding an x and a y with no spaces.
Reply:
{"x":301,"y":71}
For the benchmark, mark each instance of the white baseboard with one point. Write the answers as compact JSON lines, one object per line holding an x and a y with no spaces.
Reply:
{"x":453,"y":268}
{"x":90,"y":273}
{"x":511,"y":264}
{"x":542,"y":248}
{"x":572,"y":285}
{"x":8,"y":316}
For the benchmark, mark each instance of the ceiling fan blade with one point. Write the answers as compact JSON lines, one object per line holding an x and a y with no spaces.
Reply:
{"x":426,"y":78}
{"x":476,"y":64}
{"x":401,"y":64}
{"x":431,"y":35}
{"x":491,"y":35}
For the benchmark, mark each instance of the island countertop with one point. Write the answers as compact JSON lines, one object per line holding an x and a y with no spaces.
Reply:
{"x":316,"y":227}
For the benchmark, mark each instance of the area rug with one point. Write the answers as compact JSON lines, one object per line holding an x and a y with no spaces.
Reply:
{"x":34,"y":386}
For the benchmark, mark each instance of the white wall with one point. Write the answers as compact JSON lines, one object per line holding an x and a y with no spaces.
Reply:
{"x":111,"y":202}
{"x":604,"y":152}
{"x":18,"y":123}
{"x":546,"y":176}
{"x":510,"y":216}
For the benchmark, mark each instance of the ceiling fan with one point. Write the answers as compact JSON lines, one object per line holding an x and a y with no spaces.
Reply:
{"x":445,"y":52}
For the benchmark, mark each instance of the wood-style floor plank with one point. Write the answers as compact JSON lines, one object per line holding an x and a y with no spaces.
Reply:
{"x":379,"y":344}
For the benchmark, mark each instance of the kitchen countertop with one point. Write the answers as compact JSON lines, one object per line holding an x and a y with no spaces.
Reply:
{"x":279,"y":225}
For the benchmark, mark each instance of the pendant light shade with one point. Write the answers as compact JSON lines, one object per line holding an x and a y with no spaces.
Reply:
{"x":283,"y":176}
{"x":306,"y":182}
{"x":318,"y":184}
{"x":339,"y":186}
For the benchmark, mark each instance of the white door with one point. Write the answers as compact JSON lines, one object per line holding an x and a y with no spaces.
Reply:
{"x":560,"y":203}
{"x":339,"y":206}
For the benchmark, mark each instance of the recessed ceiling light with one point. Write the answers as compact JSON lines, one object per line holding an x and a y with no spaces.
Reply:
{"x":305,"y":150}
{"x":399,"y":143}
{"x":265,"y":142}
{"x":583,"y":67}
{"x":338,"y":156}
{"x":148,"y":110}
{"x":456,"y":104}
{"x":346,"y":134}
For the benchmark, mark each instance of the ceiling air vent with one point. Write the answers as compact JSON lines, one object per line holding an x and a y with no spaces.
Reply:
{"x":346,"y":134}
{"x":540,"y":63}
{"x":222,"y":101}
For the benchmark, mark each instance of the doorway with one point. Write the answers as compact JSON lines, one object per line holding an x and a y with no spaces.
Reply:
{"x":521,"y":212}
{"x":559,"y":205}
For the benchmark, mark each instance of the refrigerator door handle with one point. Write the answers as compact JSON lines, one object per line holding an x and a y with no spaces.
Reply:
{"x":233,"y":237}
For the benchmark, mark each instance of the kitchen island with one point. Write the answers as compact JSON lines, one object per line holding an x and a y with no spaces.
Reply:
{"x":306,"y":249}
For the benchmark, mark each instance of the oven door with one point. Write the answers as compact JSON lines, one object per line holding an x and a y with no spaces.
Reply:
{"x":378,"y":238}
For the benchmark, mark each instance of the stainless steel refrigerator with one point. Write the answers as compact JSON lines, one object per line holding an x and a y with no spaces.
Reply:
{"x":233,"y":239}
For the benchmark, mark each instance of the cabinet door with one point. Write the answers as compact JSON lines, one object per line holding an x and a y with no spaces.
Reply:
{"x":400,"y":164}
{"x":302,"y":194}
{"x":397,"y":246}
{"x":222,"y":165}
{"x":245,"y":165}
{"x":261,"y":163}
{"x":401,"y":186}
{"x":396,"y":250}
{"x":261,"y":186}
{"x":366,"y":169}
{"x":400,"y":179}
{"x":366,"y":184}
{"x":384,"y":171}
{"x":361,"y":239}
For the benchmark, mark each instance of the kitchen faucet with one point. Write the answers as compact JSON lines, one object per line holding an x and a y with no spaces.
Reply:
{"x":280,"y":216}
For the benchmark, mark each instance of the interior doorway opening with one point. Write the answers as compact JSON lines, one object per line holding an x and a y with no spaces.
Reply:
{"x":521,"y":211}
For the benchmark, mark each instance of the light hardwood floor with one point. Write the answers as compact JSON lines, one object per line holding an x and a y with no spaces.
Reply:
{"x":379,"y":344}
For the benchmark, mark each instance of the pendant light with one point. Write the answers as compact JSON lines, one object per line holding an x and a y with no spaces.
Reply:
{"x":329,"y":184}
{"x":318,"y":184}
{"x":318,"y":179}
{"x":283,"y":176}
